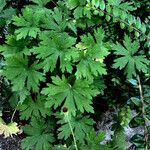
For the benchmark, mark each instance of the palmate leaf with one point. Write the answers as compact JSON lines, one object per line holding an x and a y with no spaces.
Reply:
{"x":30,"y":108}
{"x":128,"y":58}
{"x":54,"y":47}
{"x":56,"y":21}
{"x":93,"y":140}
{"x":20,"y":75}
{"x":14,"y":47}
{"x":91,"y":59}
{"x":119,"y":142}
{"x":75,"y":97}
{"x":80,"y":125}
{"x":28,"y":25}
{"x":38,"y":138}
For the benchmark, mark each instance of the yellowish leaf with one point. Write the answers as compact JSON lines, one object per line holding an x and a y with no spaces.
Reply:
{"x":81,"y":46}
{"x":8,"y":129}
{"x":99,"y":60}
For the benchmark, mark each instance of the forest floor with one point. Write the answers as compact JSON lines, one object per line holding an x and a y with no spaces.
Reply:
{"x":14,"y":143}
{"x":11,"y":143}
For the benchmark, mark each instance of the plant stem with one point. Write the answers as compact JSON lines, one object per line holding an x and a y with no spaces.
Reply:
{"x":123,"y":21}
{"x":74,"y":139}
{"x":143,"y":114}
{"x":12,"y":117}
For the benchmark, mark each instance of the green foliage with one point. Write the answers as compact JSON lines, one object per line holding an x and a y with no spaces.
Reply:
{"x":22,"y":75}
{"x":62,"y":62}
{"x":130,"y":60}
{"x":3,"y":3}
{"x":57,"y":46}
{"x":30,"y":108}
{"x":14,"y":47}
{"x":119,"y":11}
{"x":38,"y":137}
{"x":118,"y":142}
{"x":91,"y":60}
{"x":81,"y":126}
{"x":41,"y":2}
{"x":6,"y":14}
{"x":93,"y":139}
{"x":28,"y":25}
{"x":125,"y":116}
{"x":75,"y":97}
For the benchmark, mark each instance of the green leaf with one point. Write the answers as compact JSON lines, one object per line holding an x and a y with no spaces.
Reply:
{"x":58,"y":47}
{"x":96,"y":3}
{"x":93,"y":137}
{"x":138,"y":140}
{"x":7,"y":14}
{"x":133,"y":82}
{"x":28,"y":25}
{"x":72,"y":3}
{"x":27,"y":31}
{"x":38,"y":138}
{"x":21,"y":75}
{"x":136,"y":121}
{"x":143,"y":28}
{"x":80,"y":125}
{"x":3,"y":3}
{"x":138,"y":23}
{"x":114,"y":2}
{"x":123,"y":15}
{"x":75,"y":97}
{"x":78,"y":12}
{"x":93,"y":141}
{"x":118,"y":141}
{"x":30,"y":108}
{"x":102,"y":4}
{"x":91,"y":58}
{"x":108,"y":18}
{"x":18,"y":97}
{"x":122,"y":25}
{"x":116,"y":11}
{"x":55,"y":20}
{"x":125,"y":116}
{"x":127,"y":6}
{"x":14,"y":47}
{"x":134,"y":100}
{"x":41,"y":2}
{"x":128,"y":58}
{"x":108,"y":8}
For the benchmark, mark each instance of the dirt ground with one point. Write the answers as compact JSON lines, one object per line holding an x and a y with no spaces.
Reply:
{"x":11,"y":143}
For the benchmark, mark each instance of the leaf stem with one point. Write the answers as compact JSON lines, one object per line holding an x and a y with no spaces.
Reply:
{"x":74,"y":139}
{"x":143,"y":114}
{"x":12,"y":117}
{"x":134,"y":28}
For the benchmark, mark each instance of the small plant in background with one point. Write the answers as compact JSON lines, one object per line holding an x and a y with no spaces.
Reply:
{"x":67,"y":62}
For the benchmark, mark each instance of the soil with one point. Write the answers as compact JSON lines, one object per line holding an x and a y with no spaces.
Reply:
{"x":11,"y":143}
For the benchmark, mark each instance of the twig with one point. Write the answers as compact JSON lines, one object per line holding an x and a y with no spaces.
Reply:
{"x":143,"y":114}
